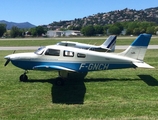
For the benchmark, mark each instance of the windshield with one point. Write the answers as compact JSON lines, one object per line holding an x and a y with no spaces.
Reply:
{"x":40,"y":51}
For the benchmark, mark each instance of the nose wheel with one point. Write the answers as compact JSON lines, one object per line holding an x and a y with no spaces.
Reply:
{"x":23,"y":77}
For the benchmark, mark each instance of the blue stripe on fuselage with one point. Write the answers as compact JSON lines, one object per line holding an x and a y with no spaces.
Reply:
{"x":77,"y":66}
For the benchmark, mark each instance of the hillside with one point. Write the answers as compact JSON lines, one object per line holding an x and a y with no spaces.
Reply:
{"x":19,"y":25}
{"x":150,"y":14}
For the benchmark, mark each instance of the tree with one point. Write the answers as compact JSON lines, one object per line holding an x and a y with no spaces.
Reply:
{"x":98,"y":29}
{"x":88,"y":30}
{"x":156,"y":29}
{"x":119,"y":25}
{"x":114,"y":30}
{"x":15,"y":32}
{"x":2,"y":29}
{"x":132,"y":25}
{"x":138,"y":27}
{"x":40,"y":30}
{"x":129,"y":31}
{"x":136,"y":31}
{"x":33,"y":32}
{"x":150,"y":30}
{"x":105,"y":29}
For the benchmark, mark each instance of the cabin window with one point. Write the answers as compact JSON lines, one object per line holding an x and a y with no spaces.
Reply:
{"x":66,"y":44}
{"x":71,"y":44}
{"x":68,"y":53}
{"x":62,"y":44}
{"x":52,"y":52}
{"x":80,"y":55}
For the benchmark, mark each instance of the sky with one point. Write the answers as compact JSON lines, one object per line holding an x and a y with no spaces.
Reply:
{"x":44,"y":12}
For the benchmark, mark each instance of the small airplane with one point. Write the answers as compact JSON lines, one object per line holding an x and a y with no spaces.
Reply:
{"x":71,"y":62}
{"x":108,"y":45}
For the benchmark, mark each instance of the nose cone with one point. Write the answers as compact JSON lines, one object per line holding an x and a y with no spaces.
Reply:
{"x":7,"y":57}
{"x":20,"y":56}
{"x":10,"y":57}
{"x":8,"y":60}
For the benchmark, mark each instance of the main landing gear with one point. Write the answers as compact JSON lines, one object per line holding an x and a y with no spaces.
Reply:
{"x":66,"y":75}
{"x":23,"y":77}
{"x":63,"y":75}
{"x":60,"y":81}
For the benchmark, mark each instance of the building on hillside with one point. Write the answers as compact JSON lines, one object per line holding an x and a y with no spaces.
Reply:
{"x":54,"y":33}
{"x":72,"y":33}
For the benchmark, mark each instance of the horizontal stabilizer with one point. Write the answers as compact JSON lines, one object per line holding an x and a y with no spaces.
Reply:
{"x":143,"y":65}
{"x":46,"y":67}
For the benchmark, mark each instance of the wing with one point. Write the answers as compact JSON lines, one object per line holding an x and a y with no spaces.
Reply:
{"x":52,"y":67}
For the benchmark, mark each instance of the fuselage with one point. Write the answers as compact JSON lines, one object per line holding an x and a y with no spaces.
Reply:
{"x":75,"y":59}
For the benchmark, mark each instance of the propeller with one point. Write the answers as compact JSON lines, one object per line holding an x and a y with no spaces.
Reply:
{"x":8,"y":59}
{"x":6,"y":63}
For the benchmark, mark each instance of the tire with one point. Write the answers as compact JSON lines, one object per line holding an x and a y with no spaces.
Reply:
{"x":59,"y":81}
{"x":23,"y":78}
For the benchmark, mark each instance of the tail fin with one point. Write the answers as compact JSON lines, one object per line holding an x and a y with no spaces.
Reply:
{"x":138,"y":48}
{"x":110,"y":43}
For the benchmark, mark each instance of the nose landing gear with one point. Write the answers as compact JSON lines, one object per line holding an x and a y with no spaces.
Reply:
{"x":23,"y":77}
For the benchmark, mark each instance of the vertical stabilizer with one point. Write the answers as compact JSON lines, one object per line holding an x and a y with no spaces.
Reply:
{"x":110,"y":43}
{"x":138,"y":48}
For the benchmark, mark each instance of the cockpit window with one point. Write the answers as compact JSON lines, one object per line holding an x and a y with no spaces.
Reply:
{"x":40,"y":51}
{"x":52,"y":52}
{"x":68,"y":53}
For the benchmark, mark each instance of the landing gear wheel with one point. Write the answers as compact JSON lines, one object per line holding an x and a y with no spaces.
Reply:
{"x":23,"y":78}
{"x":59,"y":81}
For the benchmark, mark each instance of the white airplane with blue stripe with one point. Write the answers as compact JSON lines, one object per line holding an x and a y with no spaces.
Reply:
{"x":71,"y":62}
{"x":107,"y":46}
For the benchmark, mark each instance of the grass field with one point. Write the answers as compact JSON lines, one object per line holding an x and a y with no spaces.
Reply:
{"x":114,"y":94}
{"x":97,"y":41}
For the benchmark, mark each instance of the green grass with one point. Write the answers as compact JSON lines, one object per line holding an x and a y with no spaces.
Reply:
{"x":114,"y":94}
{"x":36,"y":42}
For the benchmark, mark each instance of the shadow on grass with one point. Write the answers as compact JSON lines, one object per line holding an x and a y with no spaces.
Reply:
{"x":110,"y":79}
{"x":72,"y":92}
{"x":149,"y":80}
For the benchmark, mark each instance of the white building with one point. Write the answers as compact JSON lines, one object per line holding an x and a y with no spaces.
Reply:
{"x":54,"y":33}
{"x":72,"y":33}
